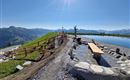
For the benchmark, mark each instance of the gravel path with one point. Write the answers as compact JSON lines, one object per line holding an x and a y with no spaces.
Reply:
{"x":56,"y":70}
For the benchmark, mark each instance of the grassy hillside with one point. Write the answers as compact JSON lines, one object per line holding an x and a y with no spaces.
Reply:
{"x":7,"y":68}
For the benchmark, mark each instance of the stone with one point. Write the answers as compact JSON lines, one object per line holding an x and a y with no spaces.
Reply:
{"x":127,"y":61}
{"x":96,"y":68}
{"x":1,"y":53}
{"x":112,"y":50}
{"x":108,"y":71}
{"x":123,"y":68}
{"x":128,"y":72}
{"x":122,"y":65}
{"x":114,"y":54}
{"x":1,"y":60}
{"x":27,"y":63}
{"x":119,"y":62}
{"x":128,"y":64}
{"x":118,"y":56}
{"x":19,"y":67}
{"x":128,"y":57}
{"x":13,"y":57}
{"x":83,"y":65}
{"x":6,"y":60}
{"x":122,"y":58}
{"x":105,"y":47}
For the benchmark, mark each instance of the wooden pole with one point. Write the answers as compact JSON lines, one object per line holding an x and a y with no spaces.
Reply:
{"x":75,"y":31}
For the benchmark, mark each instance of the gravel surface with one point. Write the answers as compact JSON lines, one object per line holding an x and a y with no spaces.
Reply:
{"x":59,"y":68}
{"x":56,"y":69}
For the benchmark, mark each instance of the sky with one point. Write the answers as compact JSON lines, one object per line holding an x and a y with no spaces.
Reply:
{"x":53,"y":14}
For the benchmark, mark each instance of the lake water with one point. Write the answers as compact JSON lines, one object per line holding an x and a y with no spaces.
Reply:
{"x":119,"y":41}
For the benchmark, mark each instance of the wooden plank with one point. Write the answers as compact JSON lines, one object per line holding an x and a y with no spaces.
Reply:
{"x":95,"y":49}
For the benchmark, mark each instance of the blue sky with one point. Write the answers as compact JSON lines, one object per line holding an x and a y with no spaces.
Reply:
{"x":53,"y":14}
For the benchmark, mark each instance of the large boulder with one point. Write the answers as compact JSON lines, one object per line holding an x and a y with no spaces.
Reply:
{"x":86,"y":71}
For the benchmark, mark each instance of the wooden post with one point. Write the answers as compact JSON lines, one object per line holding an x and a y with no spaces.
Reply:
{"x":62,"y":30}
{"x":38,"y":43}
{"x":25,"y":51}
{"x":75,"y":31}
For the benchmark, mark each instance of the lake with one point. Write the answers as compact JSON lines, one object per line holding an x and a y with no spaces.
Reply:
{"x":119,"y":41}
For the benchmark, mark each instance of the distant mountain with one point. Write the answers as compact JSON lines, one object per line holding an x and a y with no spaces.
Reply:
{"x":123,"y":31}
{"x":79,"y":30}
{"x":17,"y":35}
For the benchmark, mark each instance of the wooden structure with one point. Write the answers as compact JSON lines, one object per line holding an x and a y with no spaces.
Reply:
{"x":95,"y":49}
{"x":75,"y":31}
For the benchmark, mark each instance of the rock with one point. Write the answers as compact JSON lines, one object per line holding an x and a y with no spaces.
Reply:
{"x":6,"y":60}
{"x":118,"y":56}
{"x":119,"y":62}
{"x":128,"y":57}
{"x":122,"y":58}
{"x":108,"y":71}
{"x":1,"y":60}
{"x":127,"y":61}
{"x":19,"y":67}
{"x":123,"y":68}
{"x":114,"y":54}
{"x":112,"y":50}
{"x":122,"y":65}
{"x":96,"y":68}
{"x":105,"y":47}
{"x":128,"y":72}
{"x":27,"y":63}
{"x":2,"y":53}
{"x":83,"y":65}
{"x":128,"y":64}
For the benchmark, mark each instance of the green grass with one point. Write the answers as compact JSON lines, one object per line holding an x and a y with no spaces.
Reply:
{"x":30,"y":56}
{"x":41,"y":39}
{"x":7,"y":68}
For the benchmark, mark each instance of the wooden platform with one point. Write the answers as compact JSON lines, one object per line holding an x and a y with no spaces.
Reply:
{"x":95,"y":49}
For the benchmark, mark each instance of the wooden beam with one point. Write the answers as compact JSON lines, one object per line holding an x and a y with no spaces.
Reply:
{"x":95,"y":49}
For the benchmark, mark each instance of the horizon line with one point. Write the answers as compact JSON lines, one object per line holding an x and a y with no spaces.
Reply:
{"x":64,"y":28}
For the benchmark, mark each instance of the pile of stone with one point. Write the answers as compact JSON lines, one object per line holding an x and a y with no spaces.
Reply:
{"x":124,"y":66}
{"x":88,"y":71}
{"x":95,"y":68}
{"x":3,"y":58}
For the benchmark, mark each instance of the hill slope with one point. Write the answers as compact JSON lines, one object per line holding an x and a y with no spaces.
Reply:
{"x":33,"y":51}
{"x":17,"y":35}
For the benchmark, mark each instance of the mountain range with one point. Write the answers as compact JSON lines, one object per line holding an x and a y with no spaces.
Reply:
{"x":18,"y":35}
{"x":122,"y":31}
